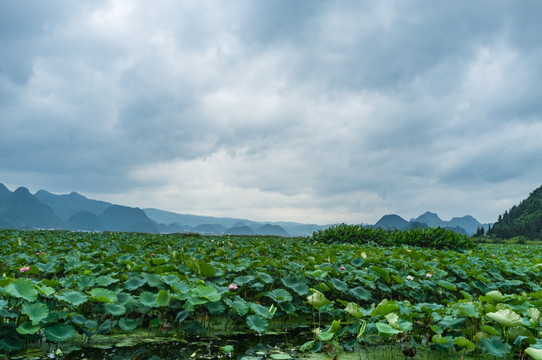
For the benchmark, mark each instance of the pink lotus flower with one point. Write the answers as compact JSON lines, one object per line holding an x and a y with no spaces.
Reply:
{"x":37,"y":253}
{"x":429,"y":275}
{"x":342,"y":268}
{"x":24,"y":269}
{"x":152,"y":254}
{"x":233,"y":287}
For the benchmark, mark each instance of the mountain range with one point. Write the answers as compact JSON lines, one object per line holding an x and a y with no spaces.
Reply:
{"x":43,"y":210}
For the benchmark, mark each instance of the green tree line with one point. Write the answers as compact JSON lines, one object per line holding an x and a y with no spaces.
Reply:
{"x":524,"y":219}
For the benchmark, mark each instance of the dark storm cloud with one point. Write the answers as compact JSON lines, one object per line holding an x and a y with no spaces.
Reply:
{"x":306,"y":108}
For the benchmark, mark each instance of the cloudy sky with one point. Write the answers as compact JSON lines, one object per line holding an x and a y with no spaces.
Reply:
{"x":308,"y":111}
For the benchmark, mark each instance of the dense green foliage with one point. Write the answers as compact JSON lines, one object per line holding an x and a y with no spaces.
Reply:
{"x":524,"y":219}
{"x":58,"y":287}
{"x":436,"y":238}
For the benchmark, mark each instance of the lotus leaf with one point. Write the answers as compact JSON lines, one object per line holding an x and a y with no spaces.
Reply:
{"x":360,"y":293}
{"x":326,"y":336}
{"x":317,"y":299}
{"x":439,"y":339}
{"x":59,"y":332}
{"x":216,"y":308}
{"x":392,"y":319}
{"x":163,"y":298}
{"x":279,"y":295}
{"x":103,"y":295}
{"x":266,"y":278}
{"x":534,"y":314}
{"x":153,"y":280}
{"x":207,"y":292}
{"x":149,"y":299}
{"x":22,"y":288}
{"x":28,"y":328}
{"x":535,"y":353}
{"x":257,"y":323}
{"x":386,"y":330}
{"x":463,"y":342}
{"x":308,"y":345}
{"x":339,"y":284}
{"x":354,"y":310}
{"x":73,"y":297}
{"x":115,"y":309}
{"x":506,"y":317}
{"x":128,"y":324}
{"x":105,"y":280}
{"x":385,"y":307}
{"x":36,"y":311}
{"x":494,"y":346}
{"x":206,"y":270}
{"x":134,"y":283}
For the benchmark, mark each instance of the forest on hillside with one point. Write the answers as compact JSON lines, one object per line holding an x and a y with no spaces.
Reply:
{"x":524,"y":219}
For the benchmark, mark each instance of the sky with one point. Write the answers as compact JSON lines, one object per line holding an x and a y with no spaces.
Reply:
{"x":275,"y":110}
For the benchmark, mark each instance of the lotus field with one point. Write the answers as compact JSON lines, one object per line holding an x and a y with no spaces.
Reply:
{"x":409,"y":293}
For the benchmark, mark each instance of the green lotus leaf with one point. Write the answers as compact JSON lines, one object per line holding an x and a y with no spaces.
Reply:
{"x":439,"y":339}
{"x":279,"y":295}
{"x":22,"y":288}
{"x":134,"y":283}
{"x":261,"y":310}
{"x":46,"y":290}
{"x":392,"y":319}
{"x":266,"y":278}
{"x":280,"y":356}
{"x":153,"y":280}
{"x":216,"y":308}
{"x":514,"y":332}
{"x":536,"y":354}
{"x":103,"y":295}
{"x":339,"y":285}
{"x":10,"y":344}
{"x":534,"y":314}
{"x":158,"y":261}
{"x":385,"y":307}
{"x":36,"y":311}
{"x":383,"y":273}
{"x":307,"y":346}
{"x":148,"y":299}
{"x":242,"y":280}
{"x":73,"y":297}
{"x":325,"y":336}
{"x":386,"y":330}
{"x":105,"y":280}
{"x":463,"y":342}
{"x":59,"y":332}
{"x":494,"y":346}
{"x":335,"y":326}
{"x":208,"y":292}
{"x":27,"y":328}
{"x":257,"y":323}
{"x":240,"y":306}
{"x":492,"y":296}
{"x":163,"y":298}
{"x":317,"y":299}
{"x":354,"y":310}
{"x":115,"y":309}
{"x":360,"y":293}
{"x":128,"y":324}
{"x":452,"y":322}
{"x":299,"y":285}
{"x":206,"y":270}
{"x":506,"y":317}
